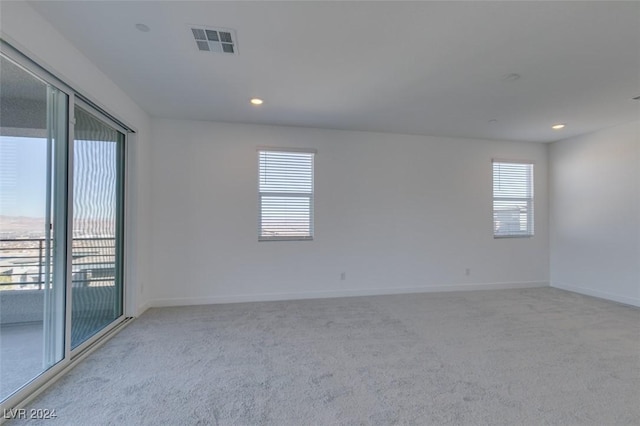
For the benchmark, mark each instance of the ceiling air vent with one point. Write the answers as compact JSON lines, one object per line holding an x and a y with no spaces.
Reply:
{"x":216,"y":40}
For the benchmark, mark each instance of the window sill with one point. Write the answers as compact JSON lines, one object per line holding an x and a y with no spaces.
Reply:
{"x":267,"y":239}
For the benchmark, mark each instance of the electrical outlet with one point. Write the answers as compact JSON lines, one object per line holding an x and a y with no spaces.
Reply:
{"x":343,"y":276}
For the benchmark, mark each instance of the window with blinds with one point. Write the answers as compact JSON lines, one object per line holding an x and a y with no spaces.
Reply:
{"x":286,"y":194}
{"x":512,"y":199}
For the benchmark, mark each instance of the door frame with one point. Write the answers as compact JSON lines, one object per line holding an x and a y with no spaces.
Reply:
{"x":120,"y":228}
{"x":11,"y":50}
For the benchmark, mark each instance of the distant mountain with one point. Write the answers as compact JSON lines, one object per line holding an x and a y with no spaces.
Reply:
{"x":22,"y":227}
{"x":14,"y":227}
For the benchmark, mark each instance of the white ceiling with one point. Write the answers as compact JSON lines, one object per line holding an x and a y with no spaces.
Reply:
{"x":431,"y":68}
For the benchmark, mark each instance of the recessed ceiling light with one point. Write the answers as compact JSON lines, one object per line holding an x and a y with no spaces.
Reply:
{"x":143,"y":28}
{"x":558,"y":126}
{"x":510,"y":77}
{"x":256,"y":101}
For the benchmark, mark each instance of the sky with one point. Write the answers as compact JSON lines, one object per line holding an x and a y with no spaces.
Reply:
{"x":23,"y":167}
{"x":23,"y":170}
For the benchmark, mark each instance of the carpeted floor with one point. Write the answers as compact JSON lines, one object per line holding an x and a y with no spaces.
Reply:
{"x":512,"y":357}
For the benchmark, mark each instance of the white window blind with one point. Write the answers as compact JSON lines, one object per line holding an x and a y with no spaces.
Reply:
{"x":286,"y":194}
{"x":512,"y":199}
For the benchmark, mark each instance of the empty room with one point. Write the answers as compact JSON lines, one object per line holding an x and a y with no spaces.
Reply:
{"x":320,"y":212}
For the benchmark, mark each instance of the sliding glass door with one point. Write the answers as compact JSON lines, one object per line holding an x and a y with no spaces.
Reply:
{"x":33,"y":176}
{"x":98,"y":184}
{"x":61,"y":225}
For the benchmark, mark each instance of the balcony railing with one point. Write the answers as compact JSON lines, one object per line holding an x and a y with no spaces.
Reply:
{"x":23,"y":262}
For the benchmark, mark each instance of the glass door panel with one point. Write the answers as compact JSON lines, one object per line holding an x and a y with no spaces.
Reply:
{"x":33,"y":172}
{"x":98,"y":179}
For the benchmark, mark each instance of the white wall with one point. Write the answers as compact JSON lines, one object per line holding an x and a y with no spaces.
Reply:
{"x":397,"y":213}
{"x":595,"y":214}
{"x":28,"y":31}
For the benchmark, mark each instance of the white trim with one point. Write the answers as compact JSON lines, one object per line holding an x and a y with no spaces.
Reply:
{"x":262,"y":239}
{"x":142,"y":308}
{"x":69,"y":254}
{"x":504,"y":160}
{"x":633,"y":301}
{"x":530,"y":200}
{"x":131,"y":292}
{"x":265,"y":297}
{"x":282,"y":149}
{"x":262,"y":161}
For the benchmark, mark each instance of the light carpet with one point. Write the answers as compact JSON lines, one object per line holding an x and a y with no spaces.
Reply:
{"x":512,"y":357}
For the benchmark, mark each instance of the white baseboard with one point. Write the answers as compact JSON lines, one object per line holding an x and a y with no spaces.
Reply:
{"x":633,"y":301}
{"x":265,"y":297}
{"x":142,"y":308}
